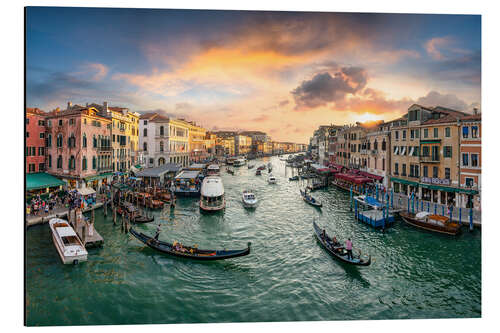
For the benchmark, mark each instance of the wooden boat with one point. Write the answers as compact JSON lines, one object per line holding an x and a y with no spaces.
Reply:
{"x":258,"y":172}
{"x":310,"y":200}
{"x":337,"y":250}
{"x":154,"y":204}
{"x":69,"y":247}
{"x":188,"y":251}
{"x":435,"y":223}
{"x":129,"y":208}
{"x":294,"y":178}
{"x":164,"y":196}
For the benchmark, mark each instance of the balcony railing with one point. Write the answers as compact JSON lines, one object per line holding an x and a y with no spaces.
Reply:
{"x":104,"y":149}
{"x":429,"y":159}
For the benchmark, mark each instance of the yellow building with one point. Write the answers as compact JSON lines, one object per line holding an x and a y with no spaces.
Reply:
{"x":197,"y":144}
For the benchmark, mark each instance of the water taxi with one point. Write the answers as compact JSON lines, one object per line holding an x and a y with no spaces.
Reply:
{"x":230,"y":160}
{"x":213,"y":170}
{"x":271,"y":179}
{"x":431,"y":222}
{"x":249,"y":199}
{"x":239,"y":162}
{"x":70,"y":248}
{"x":212,"y":194}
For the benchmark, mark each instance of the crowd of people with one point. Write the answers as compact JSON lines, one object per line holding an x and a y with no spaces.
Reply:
{"x":62,"y":199}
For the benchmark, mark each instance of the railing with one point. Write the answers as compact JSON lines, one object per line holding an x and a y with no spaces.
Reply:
{"x":104,"y":149}
{"x":429,"y":159}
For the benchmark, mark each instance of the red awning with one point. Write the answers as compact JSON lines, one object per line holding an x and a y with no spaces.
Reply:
{"x":371,"y":175}
{"x":353,"y":178}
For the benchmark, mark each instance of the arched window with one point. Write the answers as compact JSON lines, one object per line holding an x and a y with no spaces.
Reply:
{"x":71,"y":162}
{"x":161,"y":130}
{"x":84,"y":141}
{"x":99,"y":141}
{"x":161,"y":145}
{"x":84,"y":163}
{"x":49,"y":140}
{"x":383,"y":145}
{"x":59,"y":140}
{"x":50,"y":161}
{"x":375,"y":145}
{"x":145,"y":146}
{"x":94,"y":141}
{"x":145,"y":132}
{"x":94,"y":162}
{"x":59,"y":162}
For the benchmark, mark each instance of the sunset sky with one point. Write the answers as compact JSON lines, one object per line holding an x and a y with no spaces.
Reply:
{"x":280,"y":72}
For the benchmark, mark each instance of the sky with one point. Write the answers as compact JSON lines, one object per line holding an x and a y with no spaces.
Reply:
{"x":284,"y":73}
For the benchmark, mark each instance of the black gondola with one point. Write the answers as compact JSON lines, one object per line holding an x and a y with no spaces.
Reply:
{"x":293,"y":178}
{"x":189,"y":252}
{"x":337,"y":250}
{"x":310,"y":200}
{"x":143,"y":219}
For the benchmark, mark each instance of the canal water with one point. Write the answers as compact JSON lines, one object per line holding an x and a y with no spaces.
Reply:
{"x":287,"y":276}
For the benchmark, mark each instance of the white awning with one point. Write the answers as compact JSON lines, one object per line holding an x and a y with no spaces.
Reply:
{"x":86,"y":190}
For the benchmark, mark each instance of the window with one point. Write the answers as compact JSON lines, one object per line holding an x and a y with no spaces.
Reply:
{"x":469,"y":182}
{"x":447,"y":132}
{"x":42,"y":135}
{"x":60,"y":122}
{"x":403,"y":171}
{"x":27,"y":121}
{"x":383,"y":164}
{"x":145,"y":146}
{"x":94,"y":141}
{"x":145,"y":132}
{"x":72,"y":121}
{"x":435,"y":172}
{"x":426,"y":171}
{"x":49,"y":161}
{"x":161,"y":145}
{"x":48,"y":140}
{"x":84,"y":141}
{"x":27,"y":134}
{"x":84,"y":163}
{"x":59,"y":140}
{"x":41,"y":151}
{"x":145,"y":122}
{"x":425,"y":151}
{"x":71,"y":141}
{"x":404,"y":135}
{"x":412,"y":170}
{"x":85,"y":121}
{"x":49,"y":123}
{"x":151,"y":161}
{"x":71,"y":162}
{"x":417,"y":134}
{"x":447,"y":151}
{"x":447,"y":173}
{"x":465,"y":132}
{"x":161,"y":130}
{"x":31,"y":168}
{"x":416,"y":171}
{"x":474,"y":160}
{"x":465,"y":159}
{"x":375,"y":145}
{"x":94,"y":163}
{"x":59,"y":162}
{"x":412,"y":134}
{"x":435,"y":153}
{"x":436,"y":132}
{"x":397,"y":135}
{"x":474,"y":131}
{"x":426,"y":132}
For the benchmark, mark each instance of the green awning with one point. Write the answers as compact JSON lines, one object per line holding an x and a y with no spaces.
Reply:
{"x":430,"y":141}
{"x":404,"y":181}
{"x":97,"y":177}
{"x":36,"y":181}
{"x":138,"y":166}
{"x":448,"y":189}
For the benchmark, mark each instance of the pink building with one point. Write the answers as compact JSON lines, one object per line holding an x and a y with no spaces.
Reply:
{"x":35,"y":140}
{"x":79,"y":146}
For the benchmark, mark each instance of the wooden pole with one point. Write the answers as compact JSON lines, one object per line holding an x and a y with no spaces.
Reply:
{"x":123,"y":221}
{"x":114,"y":215}
{"x":105,"y":207}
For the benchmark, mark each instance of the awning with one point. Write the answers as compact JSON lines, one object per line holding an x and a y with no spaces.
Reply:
{"x":97,"y":177}
{"x":158,"y":171}
{"x":138,"y":166}
{"x":353,"y":178}
{"x":36,"y":181}
{"x":404,"y":181}
{"x":86,"y":190}
{"x":371,"y":175}
{"x":448,"y":189}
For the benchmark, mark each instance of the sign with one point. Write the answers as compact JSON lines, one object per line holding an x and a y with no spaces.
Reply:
{"x":436,"y":181}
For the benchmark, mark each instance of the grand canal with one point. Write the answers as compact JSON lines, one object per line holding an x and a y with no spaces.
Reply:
{"x":288,"y":276}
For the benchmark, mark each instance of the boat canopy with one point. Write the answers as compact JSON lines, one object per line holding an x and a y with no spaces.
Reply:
{"x":65,"y":231}
{"x":356,"y":179}
{"x":212,"y":187}
{"x":86,"y":190}
{"x":213,"y":167}
{"x":371,"y":175}
{"x":197,"y":166}
{"x":187,"y":174}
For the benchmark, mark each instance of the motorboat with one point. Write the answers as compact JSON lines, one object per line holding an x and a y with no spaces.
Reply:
{"x":250,"y":166}
{"x":239,"y":162}
{"x":213,"y":170}
{"x":294,"y":178}
{"x":212,"y":194}
{"x":431,"y":222}
{"x":258,"y":172}
{"x":70,"y":248}
{"x":249,"y":199}
{"x":271,"y":179}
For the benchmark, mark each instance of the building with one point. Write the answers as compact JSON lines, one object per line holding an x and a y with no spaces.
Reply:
{"x":124,"y":134}
{"x":242,"y":145}
{"x":163,"y":140}
{"x":79,"y":147}
{"x":35,"y":140}
{"x":470,"y":161}
{"x":376,"y":153}
{"x":197,"y":144}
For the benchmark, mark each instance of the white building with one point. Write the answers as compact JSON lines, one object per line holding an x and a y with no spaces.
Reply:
{"x":163,"y":140}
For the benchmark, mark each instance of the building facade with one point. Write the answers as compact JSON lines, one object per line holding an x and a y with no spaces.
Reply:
{"x":35,"y":140}
{"x":470,"y":161}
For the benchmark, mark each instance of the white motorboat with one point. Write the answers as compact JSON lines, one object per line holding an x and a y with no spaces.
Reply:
{"x":249,"y":199}
{"x":239,"y":162}
{"x":71,"y":250}
{"x":213,"y":170}
{"x":271,"y":179}
{"x":212,"y":194}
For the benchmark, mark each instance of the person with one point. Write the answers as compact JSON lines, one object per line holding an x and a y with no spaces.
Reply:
{"x":157,"y":232}
{"x":348,"y":247}
{"x":323,"y":234}
{"x":334,"y":241}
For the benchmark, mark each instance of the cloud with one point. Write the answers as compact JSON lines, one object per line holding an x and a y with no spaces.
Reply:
{"x":434,"y":98}
{"x":324,"y":88}
{"x":434,"y":45}
{"x":372,"y":101}
{"x":283,"y":103}
{"x":261,"y":118}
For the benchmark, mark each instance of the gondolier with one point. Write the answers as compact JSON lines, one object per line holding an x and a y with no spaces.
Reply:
{"x":348,"y":247}
{"x":158,"y":230}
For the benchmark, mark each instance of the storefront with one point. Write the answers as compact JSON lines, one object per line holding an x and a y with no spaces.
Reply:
{"x":95,"y":182}
{"x":405,"y":186}
{"x":42,"y":184}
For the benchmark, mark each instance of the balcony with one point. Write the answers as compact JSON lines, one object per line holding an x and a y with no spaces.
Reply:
{"x":429,"y":159}
{"x":104,"y":149}
{"x":105,"y":169}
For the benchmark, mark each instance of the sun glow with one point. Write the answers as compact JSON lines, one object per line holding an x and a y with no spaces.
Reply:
{"x":367,"y":117}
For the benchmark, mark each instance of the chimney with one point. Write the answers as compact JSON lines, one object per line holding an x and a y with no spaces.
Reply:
{"x":105,"y":107}
{"x":69,"y":105}
{"x":475,"y":111}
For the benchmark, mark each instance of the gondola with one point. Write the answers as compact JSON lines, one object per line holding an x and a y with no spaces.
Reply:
{"x":139,"y":219}
{"x":338,"y":250}
{"x":189,"y":252}
{"x":250,"y":166}
{"x":310,"y":200}
{"x":258,"y":172}
{"x":293,"y":178}
{"x":230,"y":171}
